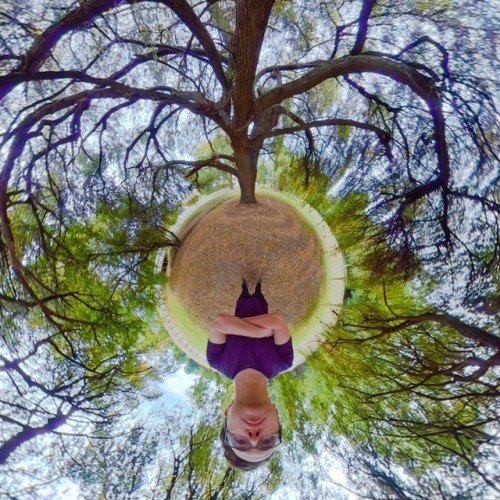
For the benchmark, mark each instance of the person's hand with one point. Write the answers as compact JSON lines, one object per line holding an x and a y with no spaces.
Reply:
{"x":226,"y":324}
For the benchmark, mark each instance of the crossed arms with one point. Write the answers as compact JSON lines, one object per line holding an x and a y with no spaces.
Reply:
{"x":257,"y":327}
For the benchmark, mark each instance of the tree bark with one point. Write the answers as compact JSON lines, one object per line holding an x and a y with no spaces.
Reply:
{"x":247,"y":188}
{"x":246,"y":159}
{"x":251,"y":22}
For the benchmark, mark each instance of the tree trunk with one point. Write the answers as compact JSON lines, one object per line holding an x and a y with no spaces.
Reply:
{"x":246,"y":163}
{"x":247,"y":187}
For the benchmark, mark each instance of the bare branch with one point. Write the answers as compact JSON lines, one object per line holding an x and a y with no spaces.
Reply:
{"x":186,"y":13}
{"x":197,"y":165}
{"x":39,"y":51}
{"x":30,"y":432}
{"x":283,"y":67}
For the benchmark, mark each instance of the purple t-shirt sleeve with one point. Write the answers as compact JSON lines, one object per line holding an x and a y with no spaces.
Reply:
{"x":214,"y":352}
{"x":286,"y":352}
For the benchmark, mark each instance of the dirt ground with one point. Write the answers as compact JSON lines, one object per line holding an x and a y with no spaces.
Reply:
{"x":263,"y":241}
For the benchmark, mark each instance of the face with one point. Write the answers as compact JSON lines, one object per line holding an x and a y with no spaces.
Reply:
{"x":253,"y":422}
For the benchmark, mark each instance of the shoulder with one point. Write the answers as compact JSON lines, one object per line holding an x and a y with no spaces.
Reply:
{"x":277,"y":359}
{"x":226,"y":358}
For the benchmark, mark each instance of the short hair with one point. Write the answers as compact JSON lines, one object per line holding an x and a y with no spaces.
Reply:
{"x":234,"y":460}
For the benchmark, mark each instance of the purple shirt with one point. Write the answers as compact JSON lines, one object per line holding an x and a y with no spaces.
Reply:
{"x":239,"y":353}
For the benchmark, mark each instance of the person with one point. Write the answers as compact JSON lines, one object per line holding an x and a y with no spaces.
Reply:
{"x":250,"y":348}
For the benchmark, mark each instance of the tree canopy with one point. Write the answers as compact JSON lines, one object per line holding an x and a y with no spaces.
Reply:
{"x":382,"y":114}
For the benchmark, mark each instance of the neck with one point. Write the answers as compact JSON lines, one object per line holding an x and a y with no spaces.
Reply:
{"x":250,"y":385}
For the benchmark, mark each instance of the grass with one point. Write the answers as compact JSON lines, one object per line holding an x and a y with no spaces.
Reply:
{"x":319,"y":306}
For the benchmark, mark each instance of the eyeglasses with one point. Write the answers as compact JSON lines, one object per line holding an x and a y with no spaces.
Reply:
{"x":242,"y":443}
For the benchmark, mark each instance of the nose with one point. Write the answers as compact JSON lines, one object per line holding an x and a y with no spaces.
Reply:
{"x":254,"y":434}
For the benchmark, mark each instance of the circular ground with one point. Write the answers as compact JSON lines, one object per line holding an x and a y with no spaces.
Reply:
{"x":267,"y":240}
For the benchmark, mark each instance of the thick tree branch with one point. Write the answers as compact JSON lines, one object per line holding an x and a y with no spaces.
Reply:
{"x":80,"y":16}
{"x":383,"y":135}
{"x":283,"y":67}
{"x":39,"y":51}
{"x":366,"y":11}
{"x":30,"y":432}
{"x":17,"y":76}
{"x":17,"y":302}
{"x":189,"y":100}
{"x":251,"y":23}
{"x":470,"y":331}
{"x":197,"y":165}
{"x":422,"y":85}
{"x":212,"y":162}
{"x":194,"y":101}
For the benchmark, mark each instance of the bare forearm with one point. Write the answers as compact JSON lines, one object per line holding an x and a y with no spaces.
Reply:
{"x":232,"y":325}
{"x":272,"y":320}
{"x":275,"y":322}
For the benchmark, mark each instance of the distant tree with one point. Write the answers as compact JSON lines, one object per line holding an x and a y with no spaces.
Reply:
{"x":403,"y":374}
{"x":72,"y":337}
{"x":163,"y":460}
{"x":378,"y":477}
{"x":427,"y":379}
